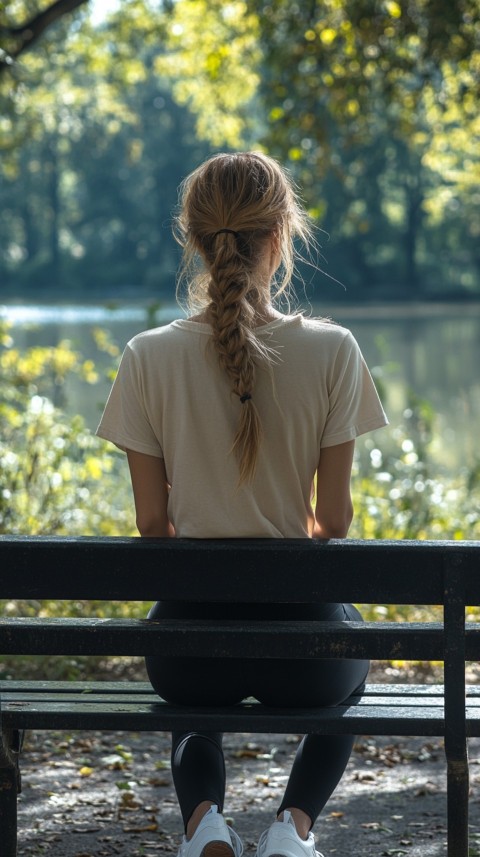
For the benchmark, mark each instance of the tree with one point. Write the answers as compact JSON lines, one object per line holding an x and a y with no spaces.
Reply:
{"x":217,"y":75}
{"x":339,"y":83}
{"x":89,"y":188}
{"x":18,"y":38}
{"x":372,"y":104}
{"x":345,"y":75}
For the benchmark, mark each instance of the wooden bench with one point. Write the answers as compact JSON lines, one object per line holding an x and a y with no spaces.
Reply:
{"x":445,"y":573}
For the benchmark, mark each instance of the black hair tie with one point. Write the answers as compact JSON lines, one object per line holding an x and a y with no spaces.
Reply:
{"x":245,"y":398}
{"x":232,"y":232}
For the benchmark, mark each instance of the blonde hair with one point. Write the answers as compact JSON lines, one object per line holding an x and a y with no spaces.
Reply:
{"x":228,"y":208}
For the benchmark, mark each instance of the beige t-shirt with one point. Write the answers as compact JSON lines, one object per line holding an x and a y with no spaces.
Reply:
{"x":171,"y":399}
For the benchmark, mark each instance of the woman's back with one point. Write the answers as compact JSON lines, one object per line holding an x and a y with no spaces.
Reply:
{"x":316,"y":393}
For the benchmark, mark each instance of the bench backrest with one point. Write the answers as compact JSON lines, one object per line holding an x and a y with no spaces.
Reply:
{"x":286,"y":570}
{"x":393,"y":572}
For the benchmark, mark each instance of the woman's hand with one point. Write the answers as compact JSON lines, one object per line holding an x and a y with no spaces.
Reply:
{"x":150,"y":491}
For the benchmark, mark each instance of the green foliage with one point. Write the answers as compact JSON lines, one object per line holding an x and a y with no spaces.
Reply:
{"x":377,"y":99}
{"x":218,"y":74}
{"x":55,"y":477}
{"x":92,"y":149}
{"x":372,"y":104}
{"x":406,"y":497}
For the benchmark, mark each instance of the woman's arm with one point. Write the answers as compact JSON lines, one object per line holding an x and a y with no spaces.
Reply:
{"x":150,"y":492}
{"x":334,"y":509}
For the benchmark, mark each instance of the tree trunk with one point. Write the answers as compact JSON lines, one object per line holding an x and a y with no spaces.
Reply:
{"x":413,"y":216}
{"x":53,"y":196}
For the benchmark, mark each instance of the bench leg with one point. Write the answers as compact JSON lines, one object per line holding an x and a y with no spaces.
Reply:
{"x":457,"y":807}
{"x":9,"y":788}
{"x":456,"y":749}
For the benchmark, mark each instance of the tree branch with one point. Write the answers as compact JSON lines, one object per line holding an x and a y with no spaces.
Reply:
{"x":28,"y":33}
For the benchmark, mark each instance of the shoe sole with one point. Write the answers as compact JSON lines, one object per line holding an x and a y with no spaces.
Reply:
{"x":277,"y":854}
{"x":217,"y":849}
{"x":283,"y":854}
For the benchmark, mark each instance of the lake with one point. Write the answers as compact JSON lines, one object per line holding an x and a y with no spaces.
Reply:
{"x":431,"y":350}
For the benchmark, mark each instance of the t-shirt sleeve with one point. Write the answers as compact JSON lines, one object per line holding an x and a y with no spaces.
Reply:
{"x":125,"y":419}
{"x":354,"y":404}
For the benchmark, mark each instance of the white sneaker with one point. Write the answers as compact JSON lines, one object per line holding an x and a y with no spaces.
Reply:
{"x":212,"y":838}
{"x":282,"y":840}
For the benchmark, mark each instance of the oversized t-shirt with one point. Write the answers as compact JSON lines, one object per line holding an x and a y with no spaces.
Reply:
{"x":171,"y":399}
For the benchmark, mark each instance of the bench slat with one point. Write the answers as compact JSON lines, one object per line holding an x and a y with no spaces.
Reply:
{"x":142,"y":687}
{"x":345,"y":570}
{"x":193,"y":638}
{"x":26,"y":699}
{"x":13,"y":685}
{"x":383,"y":709}
{"x":17,"y":701}
{"x":302,"y":639}
{"x":247,"y":717}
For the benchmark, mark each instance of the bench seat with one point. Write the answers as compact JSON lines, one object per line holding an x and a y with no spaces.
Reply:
{"x":383,"y":709}
{"x":289,"y":571}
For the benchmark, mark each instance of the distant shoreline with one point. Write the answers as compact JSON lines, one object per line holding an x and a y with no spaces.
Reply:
{"x":98,"y":310}
{"x":130,"y":296}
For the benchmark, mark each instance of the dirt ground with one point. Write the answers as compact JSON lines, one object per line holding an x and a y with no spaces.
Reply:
{"x":104,"y":795}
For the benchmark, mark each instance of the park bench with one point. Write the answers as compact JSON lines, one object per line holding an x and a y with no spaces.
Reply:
{"x":395,"y":572}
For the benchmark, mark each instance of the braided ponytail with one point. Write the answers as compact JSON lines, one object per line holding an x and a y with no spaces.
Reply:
{"x":231,"y":316}
{"x":230,"y":207}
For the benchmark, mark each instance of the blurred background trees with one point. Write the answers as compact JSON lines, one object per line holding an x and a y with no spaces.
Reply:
{"x":373,"y":104}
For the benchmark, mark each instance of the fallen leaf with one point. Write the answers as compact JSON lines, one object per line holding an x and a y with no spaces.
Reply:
{"x":129,"y":801}
{"x":393,"y":851}
{"x":86,"y":771}
{"x":427,"y":789}
{"x":122,"y":751}
{"x":245,"y":754}
{"x":365,"y":777}
{"x":114,"y":762}
{"x":376,"y":825}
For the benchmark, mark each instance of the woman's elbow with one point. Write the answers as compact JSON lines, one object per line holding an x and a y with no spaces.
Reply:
{"x":150,"y":526}
{"x":334,"y":526}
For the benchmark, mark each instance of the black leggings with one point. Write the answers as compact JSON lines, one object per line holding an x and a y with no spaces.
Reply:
{"x":198,"y":765}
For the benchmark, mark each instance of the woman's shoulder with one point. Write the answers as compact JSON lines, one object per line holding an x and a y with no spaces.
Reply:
{"x":323,"y":324}
{"x":324,"y":331}
{"x":155,"y":338}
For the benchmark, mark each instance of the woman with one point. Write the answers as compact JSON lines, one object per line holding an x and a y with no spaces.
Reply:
{"x":226,"y":418}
